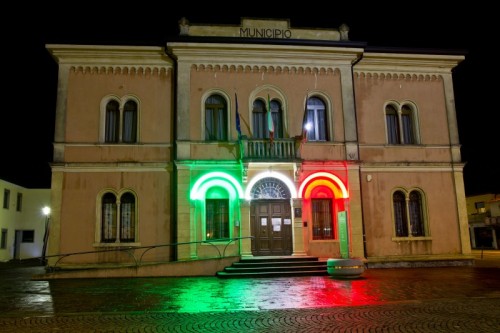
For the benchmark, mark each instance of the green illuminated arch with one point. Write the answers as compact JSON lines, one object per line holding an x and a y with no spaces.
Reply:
{"x":216,"y":179}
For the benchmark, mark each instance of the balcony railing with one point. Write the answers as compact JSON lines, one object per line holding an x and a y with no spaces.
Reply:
{"x":279,"y":149}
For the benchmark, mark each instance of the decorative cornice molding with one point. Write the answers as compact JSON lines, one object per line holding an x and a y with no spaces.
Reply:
{"x":130,"y":70}
{"x":396,"y":76}
{"x":261,"y":68}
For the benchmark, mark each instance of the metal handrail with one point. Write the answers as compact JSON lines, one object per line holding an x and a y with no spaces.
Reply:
{"x":130,"y":249}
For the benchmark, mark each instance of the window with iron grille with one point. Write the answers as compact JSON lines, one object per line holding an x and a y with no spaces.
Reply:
{"x":322,"y":216}
{"x":217,"y":219}
{"x":408,"y":214}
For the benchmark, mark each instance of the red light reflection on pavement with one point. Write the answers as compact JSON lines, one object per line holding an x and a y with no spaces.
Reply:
{"x":206,"y":294}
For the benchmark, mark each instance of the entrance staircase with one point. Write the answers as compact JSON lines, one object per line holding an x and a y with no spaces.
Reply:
{"x":282,"y":266}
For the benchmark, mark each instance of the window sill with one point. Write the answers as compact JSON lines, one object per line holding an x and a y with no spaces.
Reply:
{"x":410,"y":239}
{"x":131,"y":244}
{"x":216,"y":242}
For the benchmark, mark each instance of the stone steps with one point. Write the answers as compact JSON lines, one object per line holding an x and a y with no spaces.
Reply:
{"x":275,"y":267}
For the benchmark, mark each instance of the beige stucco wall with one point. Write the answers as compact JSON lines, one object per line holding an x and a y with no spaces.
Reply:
{"x":87,"y":90}
{"x":84,"y":167}
{"x":79,"y":212}
{"x":290,"y":88}
{"x":440,"y":211}
{"x":427,"y":94}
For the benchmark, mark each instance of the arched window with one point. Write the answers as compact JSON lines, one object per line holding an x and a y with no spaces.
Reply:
{"x":415,"y":212}
{"x":127,"y":217}
{"x":126,"y":116}
{"x":400,"y":124}
{"x":109,"y":218}
{"x":276,"y":114}
{"x":407,"y":125}
{"x":391,"y":118}
{"x":399,"y":203}
{"x":259,"y":119}
{"x":130,"y":122}
{"x":112,"y":122}
{"x":118,"y":218}
{"x":316,"y":122}
{"x":215,"y":118}
{"x":322,"y":210}
{"x":217,"y":214}
{"x":408,"y":214}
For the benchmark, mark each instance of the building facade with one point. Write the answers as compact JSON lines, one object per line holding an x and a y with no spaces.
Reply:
{"x":257,"y":140}
{"x":483,"y":212}
{"x":23,"y":222}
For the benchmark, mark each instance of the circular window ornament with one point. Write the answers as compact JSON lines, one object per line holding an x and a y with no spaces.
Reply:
{"x":270,"y":188}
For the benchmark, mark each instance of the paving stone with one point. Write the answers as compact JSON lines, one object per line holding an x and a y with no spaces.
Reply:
{"x":438,"y":299}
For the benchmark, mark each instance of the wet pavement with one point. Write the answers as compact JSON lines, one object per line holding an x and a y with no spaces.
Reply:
{"x":444,"y":299}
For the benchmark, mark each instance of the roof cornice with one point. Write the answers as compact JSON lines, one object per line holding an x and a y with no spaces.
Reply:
{"x":109,"y":55}
{"x":251,"y":54}
{"x":405,"y":62}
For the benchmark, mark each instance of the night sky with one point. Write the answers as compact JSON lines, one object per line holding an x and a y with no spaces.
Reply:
{"x":30,"y":74}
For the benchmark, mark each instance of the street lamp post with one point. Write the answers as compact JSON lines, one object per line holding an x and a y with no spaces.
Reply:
{"x":46,"y":212}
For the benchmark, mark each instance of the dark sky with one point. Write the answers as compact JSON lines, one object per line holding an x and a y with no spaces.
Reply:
{"x":30,"y":75}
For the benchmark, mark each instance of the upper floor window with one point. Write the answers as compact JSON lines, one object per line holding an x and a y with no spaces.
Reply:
{"x":316,"y":122}
{"x":19,"y":202}
{"x":408,"y":214}
{"x":6,"y":198}
{"x":28,"y":236}
{"x":215,"y":118}
{"x":121,"y":123}
{"x":260,"y":120}
{"x":3,"y":240}
{"x":118,"y":218}
{"x":400,"y":124}
{"x":129,"y":128}
{"x":480,"y":207}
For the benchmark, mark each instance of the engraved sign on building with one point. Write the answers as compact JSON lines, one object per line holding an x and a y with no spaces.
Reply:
{"x":262,"y":28}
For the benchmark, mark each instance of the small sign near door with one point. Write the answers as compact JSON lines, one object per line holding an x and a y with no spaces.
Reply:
{"x":343,"y":235}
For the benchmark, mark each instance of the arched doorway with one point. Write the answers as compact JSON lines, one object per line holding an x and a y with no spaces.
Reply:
{"x":271,"y":218}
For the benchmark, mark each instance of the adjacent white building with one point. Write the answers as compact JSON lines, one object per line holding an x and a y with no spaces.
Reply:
{"x":22,"y":221}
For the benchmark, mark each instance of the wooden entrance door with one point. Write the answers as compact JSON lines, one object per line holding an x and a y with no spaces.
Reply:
{"x":271,"y":225}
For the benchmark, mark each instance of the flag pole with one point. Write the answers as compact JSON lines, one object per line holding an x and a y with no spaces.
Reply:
{"x":238,"y":127}
{"x":304,"y":119}
{"x":270,"y":123}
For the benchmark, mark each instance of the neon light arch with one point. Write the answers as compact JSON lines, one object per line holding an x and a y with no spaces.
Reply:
{"x":322,"y":179}
{"x":211,"y":179}
{"x":271,"y":174}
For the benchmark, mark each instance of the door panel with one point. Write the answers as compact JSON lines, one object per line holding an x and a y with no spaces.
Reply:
{"x":271,"y":226}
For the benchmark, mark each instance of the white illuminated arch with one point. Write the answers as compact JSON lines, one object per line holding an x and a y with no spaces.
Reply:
{"x":271,"y":174}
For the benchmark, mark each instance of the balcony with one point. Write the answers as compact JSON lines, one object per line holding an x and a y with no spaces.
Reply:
{"x":263,"y":150}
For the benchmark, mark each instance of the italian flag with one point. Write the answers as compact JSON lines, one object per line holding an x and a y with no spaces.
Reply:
{"x":270,"y":123}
